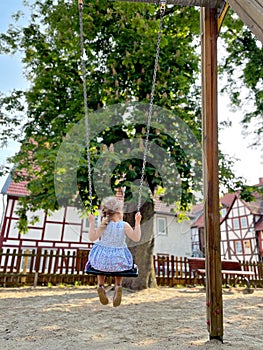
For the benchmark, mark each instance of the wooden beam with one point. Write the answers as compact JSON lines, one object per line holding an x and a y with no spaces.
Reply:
{"x":209,"y":34}
{"x":251,"y":13}
{"x":222,"y":16}
{"x":202,"y":3}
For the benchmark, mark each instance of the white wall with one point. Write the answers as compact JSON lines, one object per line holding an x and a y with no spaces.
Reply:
{"x":176,"y":241}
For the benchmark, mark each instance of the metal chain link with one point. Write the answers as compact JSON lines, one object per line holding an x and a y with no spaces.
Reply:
{"x":83,"y":70}
{"x":149,"y":117}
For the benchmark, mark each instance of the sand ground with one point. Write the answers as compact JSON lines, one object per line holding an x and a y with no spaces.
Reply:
{"x":72,"y":318}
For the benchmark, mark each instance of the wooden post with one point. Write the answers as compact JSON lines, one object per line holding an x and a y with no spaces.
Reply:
{"x":25,"y":264}
{"x":209,"y":34}
{"x":35,"y":279}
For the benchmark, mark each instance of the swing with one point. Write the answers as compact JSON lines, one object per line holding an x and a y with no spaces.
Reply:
{"x":133,"y":272}
{"x":88,"y":268}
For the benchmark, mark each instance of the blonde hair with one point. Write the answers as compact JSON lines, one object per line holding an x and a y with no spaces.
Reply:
{"x":110,"y":206}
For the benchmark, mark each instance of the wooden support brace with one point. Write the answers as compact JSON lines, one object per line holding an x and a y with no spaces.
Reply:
{"x":222,"y":16}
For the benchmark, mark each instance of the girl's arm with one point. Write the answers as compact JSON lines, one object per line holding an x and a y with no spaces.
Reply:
{"x":95,"y":234}
{"x":134,"y":234}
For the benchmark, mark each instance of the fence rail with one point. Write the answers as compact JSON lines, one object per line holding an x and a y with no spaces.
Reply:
{"x":41,"y":267}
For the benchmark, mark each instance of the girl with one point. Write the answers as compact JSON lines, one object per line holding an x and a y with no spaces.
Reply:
{"x":111,"y":253}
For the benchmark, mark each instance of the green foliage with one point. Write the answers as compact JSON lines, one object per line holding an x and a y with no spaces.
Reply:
{"x":77,"y":284}
{"x":120,"y":43}
{"x":243,"y":64}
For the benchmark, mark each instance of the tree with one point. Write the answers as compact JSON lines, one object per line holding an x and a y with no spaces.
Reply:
{"x":173,"y":167}
{"x":243,"y":66}
{"x":120,"y":42}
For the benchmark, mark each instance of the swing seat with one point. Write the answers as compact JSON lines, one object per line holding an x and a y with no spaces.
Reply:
{"x":89,"y":270}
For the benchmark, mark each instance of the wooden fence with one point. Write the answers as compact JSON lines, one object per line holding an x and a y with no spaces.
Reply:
{"x":41,"y":267}
{"x":171,"y":271}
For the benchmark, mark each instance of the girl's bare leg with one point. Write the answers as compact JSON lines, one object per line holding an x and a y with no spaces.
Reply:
{"x":101,"y":280}
{"x":118,"y":280}
{"x":118,"y":291}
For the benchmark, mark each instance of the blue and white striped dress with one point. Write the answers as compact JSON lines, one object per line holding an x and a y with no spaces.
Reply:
{"x":110,"y":253}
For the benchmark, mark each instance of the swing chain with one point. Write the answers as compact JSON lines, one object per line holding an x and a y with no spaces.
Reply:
{"x":146,"y":143}
{"x":149,"y":117}
{"x":83,"y":70}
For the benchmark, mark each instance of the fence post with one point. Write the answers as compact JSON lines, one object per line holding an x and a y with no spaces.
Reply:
{"x":25,"y":263}
{"x":37,"y":265}
{"x":35,"y":279}
{"x":172,"y":271}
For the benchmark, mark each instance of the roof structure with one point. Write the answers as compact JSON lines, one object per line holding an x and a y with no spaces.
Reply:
{"x":228,"y":199}
{"x":163,"y":208}
{"x":259,"y":225}
{"x":255,"y":207}
{"x":251,"y":13}
{"x":13,"y":188}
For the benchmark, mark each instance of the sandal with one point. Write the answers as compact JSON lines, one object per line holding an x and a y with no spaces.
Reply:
{"x":117,"y":296}
{"x":102,"y":295}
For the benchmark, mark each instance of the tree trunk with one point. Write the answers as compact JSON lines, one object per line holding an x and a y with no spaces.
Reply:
{"x":143,"y":250}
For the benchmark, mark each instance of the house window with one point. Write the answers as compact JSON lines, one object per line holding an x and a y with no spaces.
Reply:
{"x":161,"y":226}
{"x":236,"y":223}
{"x":244,"y":222}
{"x":238,"y":247}
{"x":247,"y":247}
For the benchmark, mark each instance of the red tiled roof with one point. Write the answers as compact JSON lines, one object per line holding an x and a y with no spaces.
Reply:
{"x":259,"y":225}
{"x":199,"y":222}
{"x":17,"y":189}
{"x":228,"y":199}
{"x":162,"y":207}
{"x":197,"y":208}
{"x":13,"y":188}
{"x":255,"y":207}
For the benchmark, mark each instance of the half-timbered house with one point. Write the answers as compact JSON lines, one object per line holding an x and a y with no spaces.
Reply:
{"x":241,"y":228}
{"x":65,"y":230}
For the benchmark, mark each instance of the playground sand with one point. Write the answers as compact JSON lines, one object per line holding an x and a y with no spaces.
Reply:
{"x":163,"y":318}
